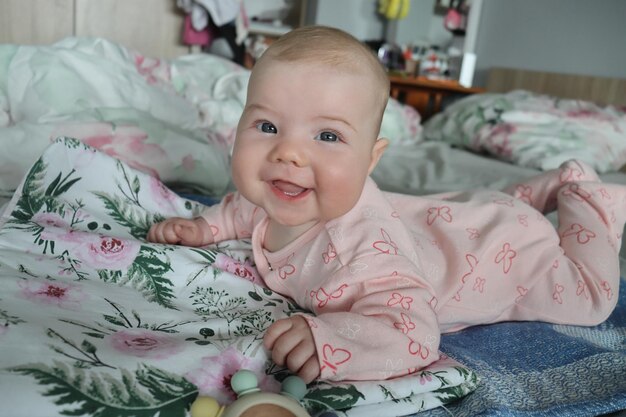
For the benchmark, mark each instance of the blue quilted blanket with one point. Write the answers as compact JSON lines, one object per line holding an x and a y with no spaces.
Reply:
{"x":537,"y":369}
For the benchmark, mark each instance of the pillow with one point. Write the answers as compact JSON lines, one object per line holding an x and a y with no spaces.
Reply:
{"x":171,"y":119}
{"x":533,"y":130}
{"x":401,"y":124}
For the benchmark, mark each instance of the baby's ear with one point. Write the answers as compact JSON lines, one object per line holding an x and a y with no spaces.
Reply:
{"x":377,"y":151}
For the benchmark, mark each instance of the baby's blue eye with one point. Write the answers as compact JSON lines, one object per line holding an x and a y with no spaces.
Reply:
{"x":327,"y":137}
{"x":267,"y":127}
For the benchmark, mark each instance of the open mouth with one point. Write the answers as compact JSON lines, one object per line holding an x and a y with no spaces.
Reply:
{"x":288,"y":190}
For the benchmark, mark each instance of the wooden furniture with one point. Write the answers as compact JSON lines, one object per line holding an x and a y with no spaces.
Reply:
{"x":601,"y":90}
{"x":152,"y":27}
{"x":427,"y":95}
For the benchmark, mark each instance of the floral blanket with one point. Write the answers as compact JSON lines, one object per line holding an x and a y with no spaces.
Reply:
{"x":533,"y":130}
{"x":95,"y":321}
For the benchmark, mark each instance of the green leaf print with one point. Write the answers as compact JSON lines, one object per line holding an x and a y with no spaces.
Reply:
{"x":130,"y":216}
{"x":73,"y":143}
{"x":209,"y":255}
{"x":146,"y":275}
{"x":131,"y":188}
{"x":8,"y":319}
{"x":324,"y":398}
{"x":124,"y":320}
{"x":33,"y":195}
{"x":451,"y":393}
{"x":146,"y":393}
{"x":61,"y":185}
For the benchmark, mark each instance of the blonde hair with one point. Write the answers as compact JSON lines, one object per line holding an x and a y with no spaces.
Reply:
{"x":332,"y":47}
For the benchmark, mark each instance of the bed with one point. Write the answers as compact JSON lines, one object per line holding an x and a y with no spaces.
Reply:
{"x":98,"y":141}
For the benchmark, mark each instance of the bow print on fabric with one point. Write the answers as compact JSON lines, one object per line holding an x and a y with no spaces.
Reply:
{"x":472,"y":261}
{"x":504,"y":202}
{"x":323,"y":297}
{"x":330,"y":254}
{"x":583,"y":235}
{"x":604,"y":193}
{"x":522,"y":219}
{"x":386,"y":246}
{"x":574,"y":191}
{"x":406,"y":325}
{"x":443,"y":212}
{"x":416,"y":348}
{"x":606,"y":287}
{"x":356,"y":267}
{"x":556,"y":295}
{"x":214,"y":229}
{"x":570,"y":174}
{"x":522,"y":291}
{"x":479,"y":285}
{"x":505,"y":256}
{"x":524,"y":193}
{"x":582,"y":289}
{"x":333,"y":357}
{"x":472,"y":233}
{"x":397,"y":298}
{"x":287,"y":269}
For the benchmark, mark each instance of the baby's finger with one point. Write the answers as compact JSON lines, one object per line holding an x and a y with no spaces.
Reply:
{"x":169,"y":233}
{"x":300,"y":354}
{"x":310,"y":370}
{"x":155,"y":234}
{"x":275,"y":331}
{"x":151,"y":237}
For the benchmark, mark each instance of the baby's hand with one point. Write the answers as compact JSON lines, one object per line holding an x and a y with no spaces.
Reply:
{"x":179,"y":231}
{"x":292,"y":345}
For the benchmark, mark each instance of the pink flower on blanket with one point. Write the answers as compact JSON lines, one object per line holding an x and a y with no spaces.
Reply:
{"x":126,"y":143}
{"x":189,"y":163}
{"x":425,"y":377}
{"x":147,"y":344}
{"x":589,"y":114}
{"x":52,"y":223}
{"x":498,"y":142}
{"x":162,"y":195}
{"x":152,"y":69}
{"x":213,"y":377}
{"x":244,"y":270}
{"x":61,"y":294}
{"x":104,"y":252}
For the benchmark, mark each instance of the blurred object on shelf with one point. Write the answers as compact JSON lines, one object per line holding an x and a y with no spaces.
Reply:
{"x":456,"y":17}
{"x":394,"y":9}
{"x":391,"y":56}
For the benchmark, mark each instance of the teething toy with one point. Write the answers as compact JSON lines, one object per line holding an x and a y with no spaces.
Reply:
{"x":251,"y":402}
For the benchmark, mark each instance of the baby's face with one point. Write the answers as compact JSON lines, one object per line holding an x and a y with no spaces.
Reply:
{"x":306,"y":141}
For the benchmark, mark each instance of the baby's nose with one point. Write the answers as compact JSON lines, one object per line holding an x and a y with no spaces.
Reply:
{"x":289,"y":152}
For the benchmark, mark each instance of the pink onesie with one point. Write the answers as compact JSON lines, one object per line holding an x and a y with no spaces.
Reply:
{"x":387,"y":278}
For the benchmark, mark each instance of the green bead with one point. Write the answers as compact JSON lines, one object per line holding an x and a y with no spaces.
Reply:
{"x":244,"y":382}
{"x":294,"y":387}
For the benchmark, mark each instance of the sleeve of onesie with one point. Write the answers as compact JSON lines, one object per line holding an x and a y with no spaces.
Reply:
{"x":376,"y":329}
{"x":233,"y":218}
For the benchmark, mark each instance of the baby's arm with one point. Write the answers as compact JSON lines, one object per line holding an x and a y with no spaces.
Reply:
{"x":381,"y":328}
{"x":292,"y":345}
{"x":233,"y":218}
{"x":179,"y":231}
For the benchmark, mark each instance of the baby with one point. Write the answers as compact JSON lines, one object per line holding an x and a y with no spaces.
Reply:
{"x":385,"y":274}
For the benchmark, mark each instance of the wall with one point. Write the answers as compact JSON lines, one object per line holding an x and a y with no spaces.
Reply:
{"x":423,"y":25}
{"x":361,"y":19}
{"x":358,"y":17}
{"x":568,"y":36}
